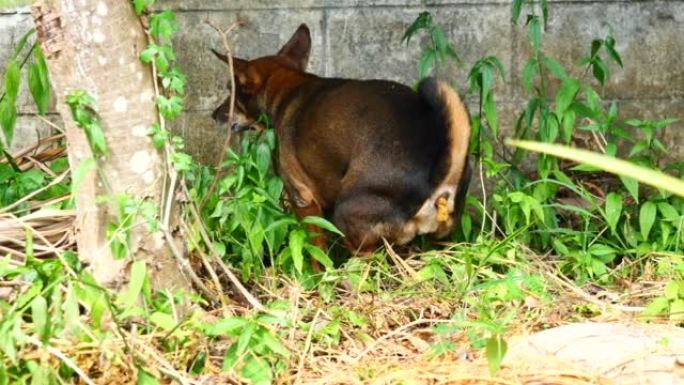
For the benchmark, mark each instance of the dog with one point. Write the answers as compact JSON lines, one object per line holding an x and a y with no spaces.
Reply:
{"x":381,"y":160}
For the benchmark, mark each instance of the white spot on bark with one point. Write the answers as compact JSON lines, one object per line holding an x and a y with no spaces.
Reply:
{"x":120,"y":104}
{"x":139,"y":75}
{"x":139,"y":131}
{"x":146,"y":96}
{"x":102,"y":8}
{"x":102,"y":60}
{"x":148,"y":177}
{"x":121,"y":60}
{"x":98,"y":37}
{"x":140,"y":162}
{"x":96,"y":20}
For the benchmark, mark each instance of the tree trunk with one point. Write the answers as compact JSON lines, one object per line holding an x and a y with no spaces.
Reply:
{"x":93,"y":45}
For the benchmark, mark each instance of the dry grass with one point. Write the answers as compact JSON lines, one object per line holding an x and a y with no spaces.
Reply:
{"x":35,"y":222}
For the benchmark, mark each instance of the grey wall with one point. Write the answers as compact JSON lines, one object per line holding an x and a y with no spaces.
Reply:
{"x":362,"y":39}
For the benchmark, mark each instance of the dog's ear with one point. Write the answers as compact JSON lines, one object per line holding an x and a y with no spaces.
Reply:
{"x":238,"y":64}
{"x":298,"y":48}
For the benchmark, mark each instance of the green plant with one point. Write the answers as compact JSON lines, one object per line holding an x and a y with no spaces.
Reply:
{"x":37,"y":81}
{"x":612,"y":223}
{"x":15,"y":183}
{"x":257,"y":352}
{"x":246,"y":217}
{"x":439,"y":50}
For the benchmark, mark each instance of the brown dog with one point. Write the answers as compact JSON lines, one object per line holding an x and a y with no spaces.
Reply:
{"x":376,"y":157}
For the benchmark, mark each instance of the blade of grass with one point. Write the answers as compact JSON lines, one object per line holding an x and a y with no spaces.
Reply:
{"x":651,"y":177}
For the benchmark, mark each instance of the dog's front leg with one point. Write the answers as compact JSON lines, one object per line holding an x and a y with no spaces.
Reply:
{"x":302,"y":199}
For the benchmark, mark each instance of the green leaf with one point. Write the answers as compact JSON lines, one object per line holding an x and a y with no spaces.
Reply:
{"x":12,"y":79}
{"x":604,"y":253}
{"x":595,"y":47}
{"x":135,"y":285}
{"x":273,"y":343}
{"x":638,"y":148}
{"x":516,"y":8}
{"x":257,"y":371}
{"x":4,"y":378}
{"x":39,"y":314}
{"x":297,"y":239}
{"x":555,"y":68}
{"x":490,"y":112}
{"x":263,"y":158}
{"x":600,"y":70}
{"x":22,"y":42}
{"x":528,"y":74}
{"x":612,"y":52}
{"x":426,"y":62}
{"x":494,"y":61}
{"x":163,"y":320}
{"x":535,"y":33}
{"x":647,"y":217}
{"x":71,"y":312}
{"x":98,"y":142}
{"x":671,"y":290}
{"x":657,"y":307}
{"x":545,"y":11}
{"x":227,"y":326}
{"x":149,"y":53}
{"x":145,"y":378}
{"x":495,"y":350}
{"x":668,"y":212}
{"x":245,"y":338}
{"x":140,"y":5}
{"x":322,"y":223}
{"x":8,"y":118}
{"x":80,"y":173}
{"x":568,"y":125}
{"x":466,"y":226}
{"x":281,"y":223}
{"x":566,"y":95}
{"x":440,"y":41}
{"x":170,"y":107}
{"x":38,"y":82}
{"x":613,"y":210}
{"x":677,"y":310}
{"x":319,"y":255}
{"x":631,"y":185}
{"x":423,"y":21}
{"x":163,"y":25}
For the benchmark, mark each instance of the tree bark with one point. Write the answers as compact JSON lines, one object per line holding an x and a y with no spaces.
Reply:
{"x":93,"y":45}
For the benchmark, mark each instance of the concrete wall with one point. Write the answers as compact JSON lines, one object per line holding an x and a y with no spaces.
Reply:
{"x":362,"y":39}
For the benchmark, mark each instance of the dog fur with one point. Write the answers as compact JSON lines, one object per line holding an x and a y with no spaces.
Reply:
{"x":376,"y":157}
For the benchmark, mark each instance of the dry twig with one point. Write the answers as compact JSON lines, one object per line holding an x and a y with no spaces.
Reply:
{"x":229,"y":54}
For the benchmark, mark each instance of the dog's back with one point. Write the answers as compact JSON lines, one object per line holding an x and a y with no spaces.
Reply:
{"x":377,"y":151}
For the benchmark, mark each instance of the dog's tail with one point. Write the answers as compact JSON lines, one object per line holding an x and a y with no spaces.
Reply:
{"x":453,"y":114}
{"x":454,"y":168}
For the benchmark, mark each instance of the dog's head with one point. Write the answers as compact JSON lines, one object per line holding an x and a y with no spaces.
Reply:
{"x":251,"y":76}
